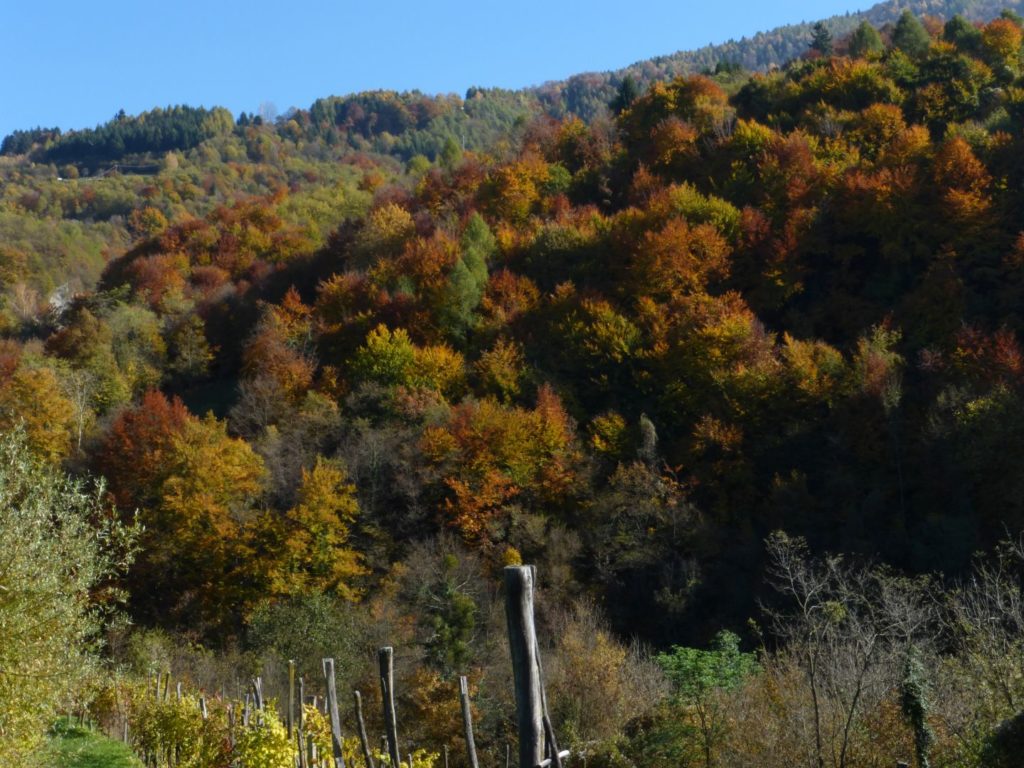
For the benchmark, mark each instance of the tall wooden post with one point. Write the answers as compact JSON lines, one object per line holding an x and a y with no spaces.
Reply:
{"x":522,"y":640}
{"x":291,"y":697}
{"x":386,"y":660}
{"x":332,"y":705}
{"x":467,"y":723}
{"x":361,"y":725}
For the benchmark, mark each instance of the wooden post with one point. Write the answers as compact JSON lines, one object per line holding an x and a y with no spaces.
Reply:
{"x":291,"y":697}
{"x":361,"y":724}
{"x":386,"y":660}
{"x":445,"y":748}
{"x":554,"y":756}
{"x":257,"y":692}
{"x":245,"y":711}
{"x":467,"y":724}
{"x":302,"y":702}
{"x":167,"y":685}
{"x":522,"y":640}
{"x":300,"y":745}
{"x":202,"y":707}
{"x":178,"y":690}
{"x":332,"y":705}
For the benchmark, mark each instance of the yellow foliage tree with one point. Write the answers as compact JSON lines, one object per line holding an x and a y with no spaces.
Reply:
{"x":314,"y":554}
{"x":33,"y":397}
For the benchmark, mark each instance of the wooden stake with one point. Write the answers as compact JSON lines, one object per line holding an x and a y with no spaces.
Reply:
{"x":301,"y":747}
{"x":291,"y":697}
{"x":361,"y":724}
{"x":332,"y":705}
{"x":386,"y":661}
{"x":522,"y":640}
{"x":467,"y":724}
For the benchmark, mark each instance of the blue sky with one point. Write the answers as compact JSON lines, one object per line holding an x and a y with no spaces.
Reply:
{"x":75,"y":64}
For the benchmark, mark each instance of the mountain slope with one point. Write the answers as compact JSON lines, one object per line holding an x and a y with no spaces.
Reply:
{"x":586,"y":94}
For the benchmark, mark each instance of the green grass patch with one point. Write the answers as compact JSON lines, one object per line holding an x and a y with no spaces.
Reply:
{"x":72,"y":746}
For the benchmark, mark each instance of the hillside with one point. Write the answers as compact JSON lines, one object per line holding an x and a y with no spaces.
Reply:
{"x":588,"y":94}
{"x":737,"y":365}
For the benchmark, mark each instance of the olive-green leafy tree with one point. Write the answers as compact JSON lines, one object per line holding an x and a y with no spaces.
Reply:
{"x":865,"y":41}
{"x":59,"y":548}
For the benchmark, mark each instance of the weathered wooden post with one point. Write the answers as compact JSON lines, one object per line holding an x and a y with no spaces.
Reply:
{"x":361,"y":725}
{"x":332,"y":705}
{"x":445,"y":748}
{"x":522,"y":641}
{"x":291,"y":697}
{"x":257,"y":693}
{"x":386,"y":661}
{"x":467,"y":724}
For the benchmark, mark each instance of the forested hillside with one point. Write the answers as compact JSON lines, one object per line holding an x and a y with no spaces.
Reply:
{"x":338,"y":369}
{"x":587,"y":95}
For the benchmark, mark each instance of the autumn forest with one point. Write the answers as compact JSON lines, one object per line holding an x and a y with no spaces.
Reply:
{"x":735,"y":358}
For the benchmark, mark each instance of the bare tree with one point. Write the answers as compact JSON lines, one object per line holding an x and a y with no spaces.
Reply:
{"x":849,"y":628}
{"x":983,"y":679}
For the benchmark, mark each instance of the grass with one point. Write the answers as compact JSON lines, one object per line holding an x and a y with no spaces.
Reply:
{"x":72,"y":746}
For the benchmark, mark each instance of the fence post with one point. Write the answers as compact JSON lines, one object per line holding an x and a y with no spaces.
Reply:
{"x":291,"y":697}
{"x":361,"y":724}
{"x":522,"y":640}
{"x":332,"y":704}
{"x":467,"y":724}
{"x":386,"y":660}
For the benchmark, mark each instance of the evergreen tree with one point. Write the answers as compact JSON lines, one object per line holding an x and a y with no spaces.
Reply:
{"x":821,"y":40}
{"x":910,"y":36}
{"x":866,"y":42}
{"x":469,"y":275}
{"x":961,"y":33}
{"x":628,"y":93}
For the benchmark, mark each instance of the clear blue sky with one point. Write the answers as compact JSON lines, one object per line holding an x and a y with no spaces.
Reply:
{"x":74,"y":63}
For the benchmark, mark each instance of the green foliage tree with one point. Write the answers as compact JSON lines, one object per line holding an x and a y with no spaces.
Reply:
{"x":59,"y":548}
{"x":469,"y":275}
{"x":699,"y":677}
{"x":910,"y":36}
{"x":865,"y":41}
{"x":627,"y":93}
{"x":962,"y":34}
{"x":821,"y":39}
